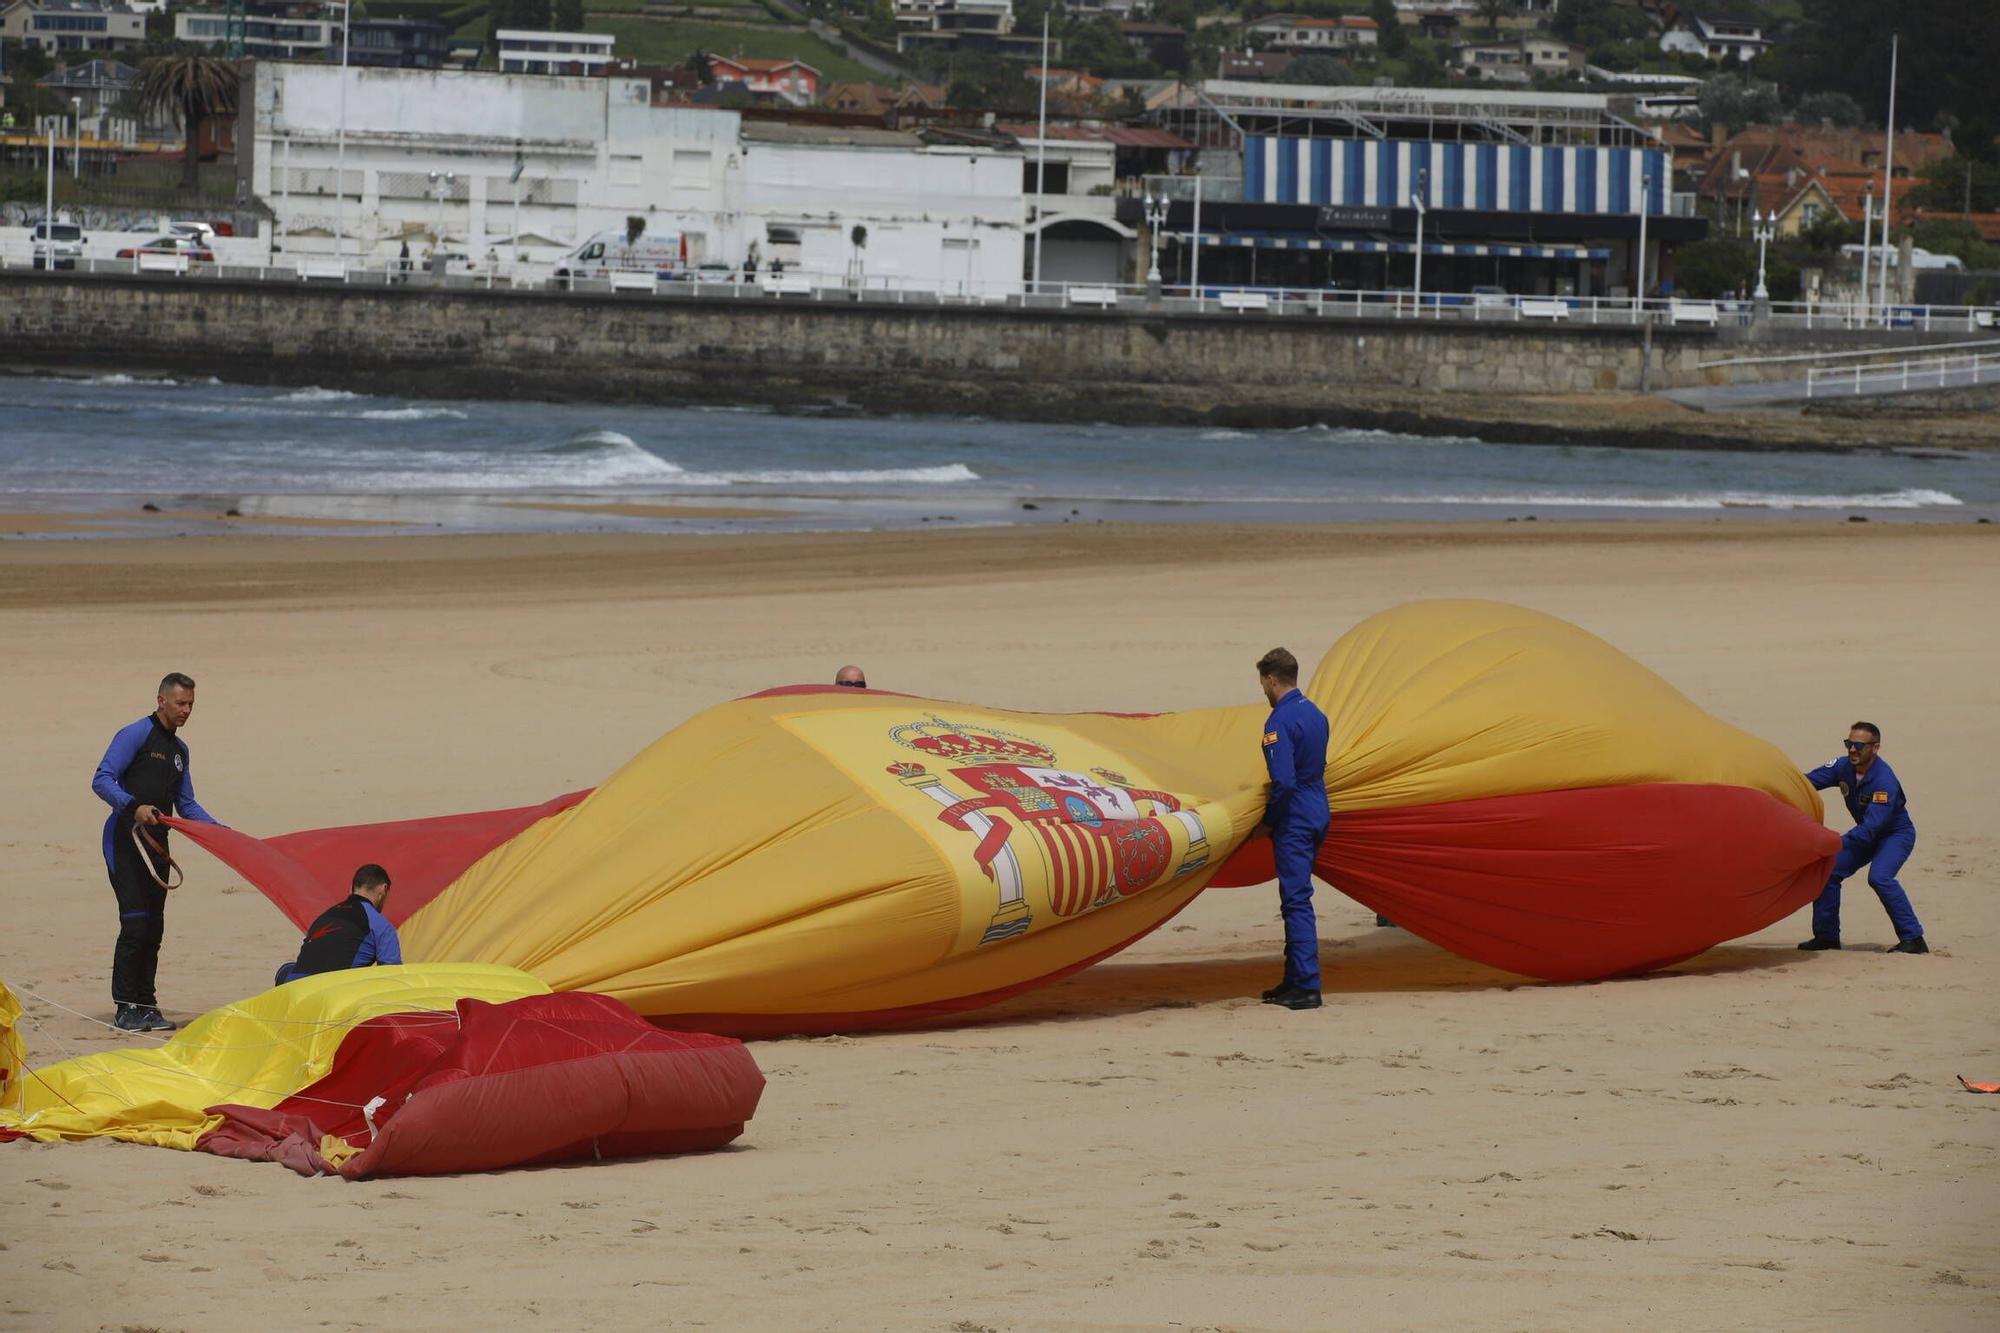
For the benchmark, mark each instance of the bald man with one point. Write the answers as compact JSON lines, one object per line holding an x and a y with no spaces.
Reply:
{"x":853,"y":677}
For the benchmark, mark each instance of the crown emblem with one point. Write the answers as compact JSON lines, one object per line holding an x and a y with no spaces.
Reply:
{"x":963,"y":742}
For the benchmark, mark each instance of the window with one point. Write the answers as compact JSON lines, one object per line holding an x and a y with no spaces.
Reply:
{"x":1055,"y":177}
{"x":1809,"y":214}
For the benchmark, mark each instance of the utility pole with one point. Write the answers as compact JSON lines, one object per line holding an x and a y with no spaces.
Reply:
{"x":1417,"y":198}
{"x":1888,"y":188}
{"x":1042,"y":157}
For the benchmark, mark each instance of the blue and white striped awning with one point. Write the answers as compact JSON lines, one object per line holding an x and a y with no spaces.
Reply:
{"x":1264,"y":241}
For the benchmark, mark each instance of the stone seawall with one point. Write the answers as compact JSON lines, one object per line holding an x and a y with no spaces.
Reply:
{"x":1123,"y":364}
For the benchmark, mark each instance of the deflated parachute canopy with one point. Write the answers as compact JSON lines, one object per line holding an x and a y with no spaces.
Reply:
{"x":410,"y":1070}
{"x":1502,"y":783}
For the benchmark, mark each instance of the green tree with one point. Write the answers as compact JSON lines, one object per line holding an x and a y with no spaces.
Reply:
{"x":569,"y":15}
{"x":193,"y":88}
{"x":1945,"y":66}
{"x":1706,"y":269}
{"x":1736,"y":100}
{"x":1492,"y":11}
{"x":29,"y":65}
{"x":1832,"y":108}
{"x":1952,"y":236}
{"x":1319,"y":70}
{"x":990,"y":83}
{"x":1959,"y":184}
{"x":1389,"y":29}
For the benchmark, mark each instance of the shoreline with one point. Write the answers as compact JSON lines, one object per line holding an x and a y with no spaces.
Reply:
{"x":1964,"y":420}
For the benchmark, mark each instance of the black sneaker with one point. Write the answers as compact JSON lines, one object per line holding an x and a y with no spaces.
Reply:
{"x":1295,"y":997}
{"x":152,"y":1020}
{"x":1914,"y":944}
{"x":1270,"y":996}
{"x":1820,"y":942}
{"x":131,"y":1018}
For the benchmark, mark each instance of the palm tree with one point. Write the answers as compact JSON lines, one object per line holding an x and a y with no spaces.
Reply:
{"x":194,"y":88}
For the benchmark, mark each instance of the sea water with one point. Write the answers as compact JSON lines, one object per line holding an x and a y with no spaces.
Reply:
{"x":113,"y":442}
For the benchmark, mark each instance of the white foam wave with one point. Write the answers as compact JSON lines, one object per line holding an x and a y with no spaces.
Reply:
{"x":1225,"y":435}
{"x":407,"y":414}
{"x":939,"y":475}
{"x":1913,"y":498}
{"x":315,"y":395}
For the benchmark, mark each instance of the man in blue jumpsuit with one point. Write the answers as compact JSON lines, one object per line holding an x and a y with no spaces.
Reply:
{"x":1881,"y":839}
{"x":145,"y":774}
{"x":1295,"y":817}
{"x":351,"y":933}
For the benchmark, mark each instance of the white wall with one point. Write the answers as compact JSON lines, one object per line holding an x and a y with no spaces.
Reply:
{"x":947,"y":219}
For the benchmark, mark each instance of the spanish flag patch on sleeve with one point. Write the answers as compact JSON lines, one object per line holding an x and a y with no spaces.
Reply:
{"x":1270,"y":738}
{"x":1881,"y":798}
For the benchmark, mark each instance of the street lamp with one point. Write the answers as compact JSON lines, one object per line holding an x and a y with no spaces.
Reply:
{"x":340,"y":142}
{"x":1645,"y":198}
{"x":1763,"y":229}
{"x":441,"y":183}
{"x":76,"y":154}
{"x":1156,"y":218}
{"x":1417,"y":201}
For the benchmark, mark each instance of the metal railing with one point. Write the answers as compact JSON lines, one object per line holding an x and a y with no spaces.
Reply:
{"x":1963,"y":370}
{"x":1173,"y":297}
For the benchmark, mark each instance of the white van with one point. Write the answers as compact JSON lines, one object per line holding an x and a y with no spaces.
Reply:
{"x":662,"y":253}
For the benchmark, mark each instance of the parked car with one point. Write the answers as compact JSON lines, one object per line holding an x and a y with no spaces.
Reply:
{"x":170,"y":245}
{"x":200,"y":232}
{"x":1489,"y":297}
{"x":57,"y":244}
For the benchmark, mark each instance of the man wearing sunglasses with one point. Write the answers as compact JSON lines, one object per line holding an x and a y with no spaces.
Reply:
{"x":851,"y":677}
{"x":1881,"y":839}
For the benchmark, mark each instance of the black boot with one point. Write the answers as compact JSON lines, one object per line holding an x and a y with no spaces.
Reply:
{"x":1821,"y":942}
{"x":1914,"y":944}
{"x":1270,"y":996}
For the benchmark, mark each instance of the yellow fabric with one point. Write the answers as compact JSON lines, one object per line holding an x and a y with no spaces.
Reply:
{"x":253,"y":1053}
{"x":777,"y":855}
{"x":13,"y":1053}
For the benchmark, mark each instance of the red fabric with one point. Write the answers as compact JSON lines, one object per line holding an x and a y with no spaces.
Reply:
{"x":1970,"y":1086}
{"x":306,"y":873}
{"x":1579,"y":885}
{"x":541,"y":1079}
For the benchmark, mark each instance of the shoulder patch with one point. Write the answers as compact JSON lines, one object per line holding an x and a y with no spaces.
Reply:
{"x":1881,"y":798}
{"x":1270,"y":738}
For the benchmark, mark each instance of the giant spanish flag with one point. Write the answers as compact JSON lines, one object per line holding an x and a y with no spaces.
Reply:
{"x":1502,"y":783}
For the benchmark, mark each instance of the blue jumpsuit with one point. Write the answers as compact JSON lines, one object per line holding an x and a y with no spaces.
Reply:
{"x":1297,"y":813}
{"x":1881,"y":839}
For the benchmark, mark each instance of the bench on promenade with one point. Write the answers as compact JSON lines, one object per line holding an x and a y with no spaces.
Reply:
{"x":786,"y":284}
{"x":633,"y":280}
{"x":1101,"y":297}
{"x":160,"y":262}
{"x":1538,"y":308}
{"x":322,"y":270}
{"x":1986,"y":319}
{"x":1244,"y":300}
{"x":1692,"y":312}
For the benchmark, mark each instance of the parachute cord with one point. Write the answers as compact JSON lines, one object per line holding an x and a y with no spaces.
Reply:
{"x":144,"y":842}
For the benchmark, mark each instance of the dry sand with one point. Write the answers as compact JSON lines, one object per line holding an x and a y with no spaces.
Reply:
{"x":1760,"y":1138}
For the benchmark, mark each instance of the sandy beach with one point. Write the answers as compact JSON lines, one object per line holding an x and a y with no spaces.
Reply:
{"x":1758,"y":1138}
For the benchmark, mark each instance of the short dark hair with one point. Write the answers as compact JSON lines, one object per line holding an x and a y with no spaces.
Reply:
{"x":1280,"y":665}
{"x":371,"y":876}
{"x":176,"y":680}
{"x":1870,"y":728}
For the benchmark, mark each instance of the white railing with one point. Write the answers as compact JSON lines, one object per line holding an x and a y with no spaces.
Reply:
{"x":1243,"y":300}
{"x":1930,"y":372}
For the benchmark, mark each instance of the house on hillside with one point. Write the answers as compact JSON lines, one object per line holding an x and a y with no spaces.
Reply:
{"x":791,"y":81}
{"x":1118,"y":9}
{"x":984,"y":26}
{"x":1300,"y":32}
{"x":1720,"y":34}
{"x":1162,"y":43}
{"x":73,"y":25}
{"x":881,"y":99}
{"x":528,"y":52}
{"x":1520,"y":59}
{"x":1254,"y":66}
{"x":270,"y":32}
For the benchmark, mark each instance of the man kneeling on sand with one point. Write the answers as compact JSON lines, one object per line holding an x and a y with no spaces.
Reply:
{"x":351,"y":933}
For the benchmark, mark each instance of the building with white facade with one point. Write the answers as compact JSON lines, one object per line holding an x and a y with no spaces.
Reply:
{"x":1716,"y":37}
{"x":73,"y":25}
{"x":526,"y":52}
{"x":265,"y":36}
{"x":514,"y":171}
{"x":1301,"y":32}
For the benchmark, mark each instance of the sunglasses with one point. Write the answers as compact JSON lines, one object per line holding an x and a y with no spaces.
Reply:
{"x":852,"y":684}
{"x":1858,"y":745}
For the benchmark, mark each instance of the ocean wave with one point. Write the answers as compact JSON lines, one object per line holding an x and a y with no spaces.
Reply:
{"x":1913,"y":498}
{"x":1225,"y":435}
{"x":315,"y":395}
{"x":938,"y":475}
{"x":407,"y":414}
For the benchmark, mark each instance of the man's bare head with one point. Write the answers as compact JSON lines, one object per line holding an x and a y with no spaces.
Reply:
{"x":851,"y":676}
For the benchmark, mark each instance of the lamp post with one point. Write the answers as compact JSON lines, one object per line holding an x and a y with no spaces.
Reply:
{"x":1763,"y":228}
{"x":1645,"y":193}
{"x":441,"y":183}
{"x":340,"y":143}
{"x":1156,"y":218}
{"x":1041,"y":158}
{"x":1417,"y":197}
{"x":76,"y":154}
{"x":1888,"y":182}
{"x":1867,"y":236}
{"x":49,"y":208}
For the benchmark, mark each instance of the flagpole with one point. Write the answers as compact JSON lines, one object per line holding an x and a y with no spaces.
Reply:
{"x":1888,"y":167}
{"x":1042,"y":154}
